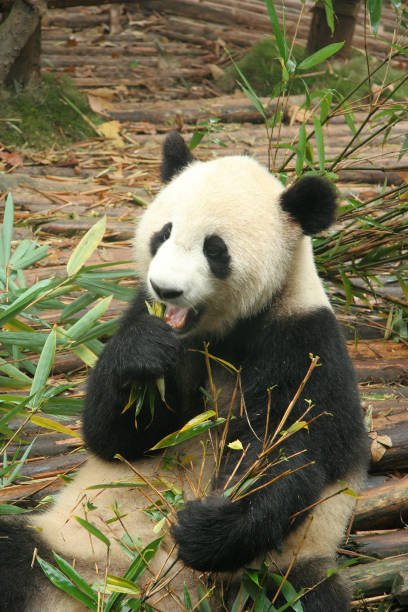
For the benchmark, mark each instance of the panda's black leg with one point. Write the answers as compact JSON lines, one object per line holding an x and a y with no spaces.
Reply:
{"x":18,"y":580}
{"x":329,"y":595}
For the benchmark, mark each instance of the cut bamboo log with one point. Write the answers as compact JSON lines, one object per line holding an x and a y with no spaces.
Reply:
{"x":377,"y":577}
{"x":371,"y":370}
{"x":380,"y":545}
{"x":383,"y":507}
{"x":395,"y":442}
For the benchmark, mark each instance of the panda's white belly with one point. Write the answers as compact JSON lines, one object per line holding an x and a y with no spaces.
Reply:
{"x":323,"y":528}
{"x":63,"y":534}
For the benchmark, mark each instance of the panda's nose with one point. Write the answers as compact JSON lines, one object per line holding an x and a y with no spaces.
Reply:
{"x":166,"y":293}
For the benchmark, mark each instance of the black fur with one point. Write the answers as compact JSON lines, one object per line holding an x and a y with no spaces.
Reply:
{"x":217,"y":255}
{"x":176,"y":156}
{"x":143,"y":349}
{"x":312,"y":203}
{"x":159,"y":237}
{"x":332,"y":595}
{"x":320,"y":593}
{"x":215,"y":534}
{"x":18,"y":580}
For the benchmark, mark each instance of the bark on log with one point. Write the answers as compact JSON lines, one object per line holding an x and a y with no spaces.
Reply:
{"x":51,"y":466}
{"x":21,"y":27}
{"x":382,"y":507}
{"x":377,"y":577}
{"x":380,"y":545}
{"x":212,"y":12}
{"x":117,"y":231}
{"x":31,"y":491}
{"x":70,"y":3}
{"x":373,"y":370}
{"x":371,"y":177}
{"x":228,"y":114}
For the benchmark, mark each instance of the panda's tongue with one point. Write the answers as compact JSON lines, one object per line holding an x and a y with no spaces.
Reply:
{"x":176,"y":317}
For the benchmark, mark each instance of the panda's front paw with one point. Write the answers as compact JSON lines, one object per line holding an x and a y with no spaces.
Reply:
{"x":212,"y":535}
{"x":146,"y":353}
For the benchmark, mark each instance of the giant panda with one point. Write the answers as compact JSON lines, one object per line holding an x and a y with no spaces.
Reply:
{"x":227,"y":249}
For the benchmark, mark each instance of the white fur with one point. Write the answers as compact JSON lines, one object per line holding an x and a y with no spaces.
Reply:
{"x":323,"y":529}
{"x":237,"y":199}
{"x":63,"y":534}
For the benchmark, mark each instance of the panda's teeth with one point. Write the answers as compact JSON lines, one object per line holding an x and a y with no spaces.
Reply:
{"x":176,"y":317}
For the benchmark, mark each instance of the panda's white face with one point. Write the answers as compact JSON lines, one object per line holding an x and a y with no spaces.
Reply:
{"x":215,"y":245}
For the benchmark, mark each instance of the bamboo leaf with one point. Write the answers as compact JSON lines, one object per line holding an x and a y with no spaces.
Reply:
{"x":288,"y":592}
{"x":31,"y":258}
{"x":319,"y":142}
{"x":300,"y":156}
{"x":203,"y":606}
{"x":121,"y":585}
{"x":187,"y":599}
{"x":24,"y":248}
{"x":54,"y":426}
{"x":249,"y":90}
{"x":337,"y":569}
{"x":404,"y":147}
{"x":6,"y":231}
{"x":81,"y":302}
{"x":195,"y":140}
{"x":83,"y":352}
{"x":349,"y":117}
{"x":180,"y":436}
{"x":347,"y":289}
{"x":86,"y":246}
{"x":14,"y":372}
{"x":374,"y":8}
{"x":236,"y":445}
{"x":135,"y":570}
{"x":204,"y":416}
{"x":328,"y":9}
{"x":93,"y":530}
{"x":320,"y":55}
{"x":23,"y":300}
{"x":9,"y":509}
{"x":138,"y":566}
{"x":75,"y":577}
{"x":276,"y":30}
{"x":350,"y":492}
{"x":77,"y":331}
{"x":32,"y":340}
{"x":43,"y":370}
{"x":296,"y":426}
{"x":59,"y":580}
{"x":102,"y":288}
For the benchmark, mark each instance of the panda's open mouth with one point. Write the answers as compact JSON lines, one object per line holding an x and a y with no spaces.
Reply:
{"x":181,"y":319}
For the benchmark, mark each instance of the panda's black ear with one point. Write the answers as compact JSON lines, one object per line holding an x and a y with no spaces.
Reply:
{"x":176,"y":156}
{"x":311,"y":202}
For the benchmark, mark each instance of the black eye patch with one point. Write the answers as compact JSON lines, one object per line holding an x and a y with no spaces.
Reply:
{"x":159,"y":237}
{"x":216,"y":252}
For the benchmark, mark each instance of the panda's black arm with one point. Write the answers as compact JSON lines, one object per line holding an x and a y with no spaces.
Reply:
{"x":219,"y":535}
{"x":142,"y":350}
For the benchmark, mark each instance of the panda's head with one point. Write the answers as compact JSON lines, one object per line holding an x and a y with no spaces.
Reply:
{"x":217,"y":244}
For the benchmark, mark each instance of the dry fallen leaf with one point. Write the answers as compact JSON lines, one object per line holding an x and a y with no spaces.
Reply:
{"x":379,"y":445}
{"x":110,"y":130}
{"x":12,"y":159}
